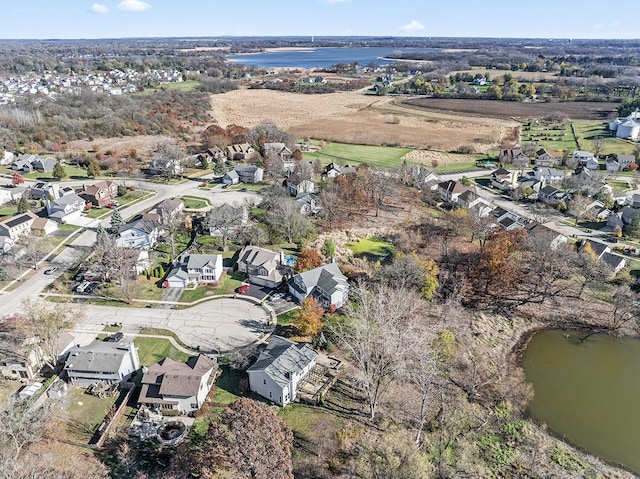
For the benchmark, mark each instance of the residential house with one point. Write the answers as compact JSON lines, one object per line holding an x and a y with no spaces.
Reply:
{"x":24,"y":163}
{"x":540,"y":232}
{"x":473,"y":201}
{"x":281,"y":151}
{"x":6,"y":244}
{"x":20,"y":358}
{"x":102,"y":361}
{"x":44,"y":191}
{"x":195,"y":269}
{"x":170,"y":207}
{"x":300,"y":187}
{"x":583,"y":157}
{"x":18,"y":225}
{"x":280,"y":368}
{"x":66,"y":208}
{"x":504,"y":179}
{"x":603,"y":253}
{"x":332,"y":170}
{"x":225,"y":220}
{"x":308,"y":204}
{"x":548,"y":175}
{"x":101,"y":193}
{"x":507,"y":219}
{"x":231,"y":178}
{"x":7,"y":158}
{"x":249,"y":173}
{"x":450,"y":190}
{"x":166,"y":167}
{"x":546,"y":158}
{"x":172,"y":385}
{"x":140,"y":234}
{"x":612,"y":164}
{"x":551,"y":195}
{"x":626,"y":161}
{"x":239,"y":151}
{"x":262,"y":266}
{"x":216,"y":154}
{"x":513,"y":156}
{"x":325,"y":283}
{"x":44,"y":164}
{"x":43,"y":227}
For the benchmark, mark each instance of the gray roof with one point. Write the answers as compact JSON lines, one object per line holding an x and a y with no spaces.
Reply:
{"x":613,"y":260}
{"x":327,"y":278}
{"x":71,"y":199}
{"x":257,"y":256}
{"x":144,"y":225}
{"x":283,"y":357}
{"x":179,"y":379}
{"x":198,"y":261}
{"x":99,"y":356}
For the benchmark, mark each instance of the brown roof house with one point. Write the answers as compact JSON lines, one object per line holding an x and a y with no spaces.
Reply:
{"x":262,"y":266}
{"x":179,"y":386}
{"x":100,"y":193}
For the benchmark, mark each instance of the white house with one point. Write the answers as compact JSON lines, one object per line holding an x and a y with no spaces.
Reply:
{"x":231,"y":178}
{"x":473,"y":201}
{"x":166,"y":166}
{"x":450,"y":190}
{"x":195,"y":269}
{"x":102,"y":361}
{"x":308,"y":204}
{"x":21,"y":358}
{"x":249,"y":173}
{"x":279,"y":369}
{"x":66,"y":208}
{"x":548,"y":158}
{"x":239,"y":151}
{"x":141,"y":234}
{"x":170,"y":384}
{"x":504,"y":179}
{"x":548,"y":175}
{"x":300,"y":187}
{"x":325,"y":283}
{"x":583,"y":157}
{"x":17,"y":226}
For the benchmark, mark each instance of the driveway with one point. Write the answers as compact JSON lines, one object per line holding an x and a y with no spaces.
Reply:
{"x":220,"y":324}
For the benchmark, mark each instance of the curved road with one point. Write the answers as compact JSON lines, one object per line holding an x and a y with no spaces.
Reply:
{"x":217,"y":325}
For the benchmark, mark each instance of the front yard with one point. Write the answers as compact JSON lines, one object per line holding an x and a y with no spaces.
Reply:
{"x":152,"y":350}
{"x":226,"y":286}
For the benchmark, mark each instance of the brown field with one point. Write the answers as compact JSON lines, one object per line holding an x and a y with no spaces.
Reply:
{"x":351,"y":117}
{"x":514,"y":110}
{"x":143,"y":144}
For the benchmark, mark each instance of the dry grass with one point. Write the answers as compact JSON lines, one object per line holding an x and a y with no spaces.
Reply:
{"x":351,"y":117}
{"x":143,"y":144}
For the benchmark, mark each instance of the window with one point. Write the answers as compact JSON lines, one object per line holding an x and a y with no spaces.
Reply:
{"x":264,"y":381}
{"x":269,"y":394}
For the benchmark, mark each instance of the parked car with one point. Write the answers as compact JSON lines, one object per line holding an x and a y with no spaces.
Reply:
{"x":242,"y":289}
{"x":277,"y":295}
{"x":115,"y":337}
{"x":91,"y":288}
{"x":51,"y":270}
{"x":81,"y":288}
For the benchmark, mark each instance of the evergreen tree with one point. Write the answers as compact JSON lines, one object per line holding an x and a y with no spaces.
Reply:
{"x":102,"y":237}
{"x":59,"y":171}
{"x":93,"y":168}
{"x":23,"y":205}
{"x":116,"y":221}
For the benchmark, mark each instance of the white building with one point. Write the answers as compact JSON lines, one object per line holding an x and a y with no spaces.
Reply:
{"x":279,"y":369}
{"x":326,"y":283}
{"x":196,"y":269}
{"x":627,"y":128}
{"x":102,"y":362}
{"x":142,"y":234}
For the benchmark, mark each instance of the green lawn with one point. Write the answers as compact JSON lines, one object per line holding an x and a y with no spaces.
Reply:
{"x":195,"y":202}
{"x":374,"y":249}
{"x":152,"y":350}
{"x":553,"y":140}
{"x":187,"y":85}
{"x":343,"y":153}
{"x":227,"y":390}
{"x":227,"y":286}
{"x":85,"y":412}
{"x":73,"y":173}
{"x":145,"y":289}
{"x":288,"y":318}
{"x":164,"y":332}
{"x":588,"y":131}
{"x":453,"y":167}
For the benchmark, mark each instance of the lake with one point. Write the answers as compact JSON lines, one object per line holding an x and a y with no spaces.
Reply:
{"x":588,"y":391}
{"x":323,"y":57}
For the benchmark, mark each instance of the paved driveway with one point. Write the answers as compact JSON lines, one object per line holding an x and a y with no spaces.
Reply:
{"x":220,"y":324}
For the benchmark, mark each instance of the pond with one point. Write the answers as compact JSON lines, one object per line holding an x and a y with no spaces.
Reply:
{"x":588,"y":391}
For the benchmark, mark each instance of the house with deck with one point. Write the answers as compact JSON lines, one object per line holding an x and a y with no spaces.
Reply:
{"x":141,"y":234}
{"x":262,"y":266}
{"x":325,"y":283}
{"x":280,"y":368}
{"x":102,"y":361}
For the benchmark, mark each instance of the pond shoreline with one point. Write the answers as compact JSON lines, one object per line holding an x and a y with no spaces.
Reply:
{"x":515,"y":356}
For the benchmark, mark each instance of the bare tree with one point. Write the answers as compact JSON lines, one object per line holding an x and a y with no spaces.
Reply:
{"x":171,"y":220}
{"x":378,"y":335}
{"x":33,"y":251}
{"x":225,"y":219}
{"x":421,"y":371}
{"x":286,"y":221}
{"x":333,"y":208}
{"x":46,"y":321}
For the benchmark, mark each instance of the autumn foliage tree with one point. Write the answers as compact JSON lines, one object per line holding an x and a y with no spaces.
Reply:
{"x":309,"y":317}
{"x":17,"y":179}
{"x":249,"y":441}
{"x":307,"y":259}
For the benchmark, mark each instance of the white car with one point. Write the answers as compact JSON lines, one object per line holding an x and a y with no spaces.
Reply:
{"x":82,"y":286}
{"x":277,"y":296}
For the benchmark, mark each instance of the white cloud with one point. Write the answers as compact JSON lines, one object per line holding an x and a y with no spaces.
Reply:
{"x":412,"y":26}
{"x":99,"y":8}
{"x":133,"y":5}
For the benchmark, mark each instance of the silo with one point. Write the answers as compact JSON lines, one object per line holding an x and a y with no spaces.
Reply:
{"x":613,"y":124}
{"x":628,"y":129}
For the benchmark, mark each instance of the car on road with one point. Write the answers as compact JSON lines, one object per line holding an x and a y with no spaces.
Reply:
{"x":115,"y":337}
{"x":242,"y":289}
{"x":51,"y":270}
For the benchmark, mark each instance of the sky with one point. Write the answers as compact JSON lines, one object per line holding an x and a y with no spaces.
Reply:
{"x":71,"y":19}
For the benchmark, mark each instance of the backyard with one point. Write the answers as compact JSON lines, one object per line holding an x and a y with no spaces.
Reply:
{"x":373,"y":249}
{"x":342,"y":153}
